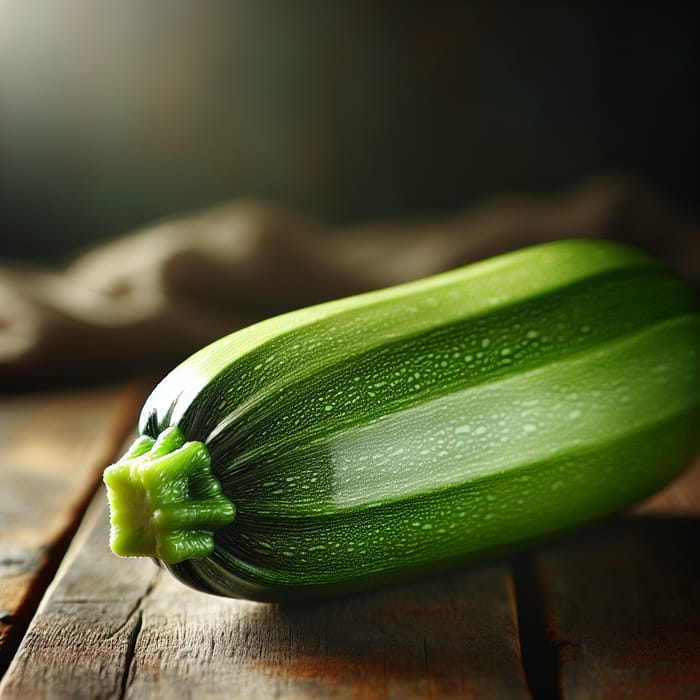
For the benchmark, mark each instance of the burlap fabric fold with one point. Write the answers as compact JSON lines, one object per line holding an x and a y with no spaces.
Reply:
{"x":143,"y":302}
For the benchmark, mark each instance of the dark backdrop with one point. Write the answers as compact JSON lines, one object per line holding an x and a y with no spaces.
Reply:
{"x":114,"y":114}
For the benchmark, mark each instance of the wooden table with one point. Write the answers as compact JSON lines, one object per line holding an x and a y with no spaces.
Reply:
{"x":614,"y":613}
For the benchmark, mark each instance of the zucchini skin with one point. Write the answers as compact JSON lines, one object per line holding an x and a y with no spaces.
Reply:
{"x":440,"y":422}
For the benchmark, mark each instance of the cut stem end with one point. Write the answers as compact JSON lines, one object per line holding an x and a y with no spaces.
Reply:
{"x":164,"y":500}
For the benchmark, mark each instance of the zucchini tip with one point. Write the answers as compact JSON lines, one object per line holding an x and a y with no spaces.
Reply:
{"x":164,"y":500}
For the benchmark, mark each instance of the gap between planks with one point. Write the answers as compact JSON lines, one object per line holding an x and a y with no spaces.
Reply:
{"x":616,"y":612}
{"x":613,"y":613}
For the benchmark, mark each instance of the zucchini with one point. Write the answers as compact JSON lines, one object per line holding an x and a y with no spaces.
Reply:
{"x":417,"y":428}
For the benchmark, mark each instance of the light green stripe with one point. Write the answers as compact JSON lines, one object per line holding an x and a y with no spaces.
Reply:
{"x":571,"y":404}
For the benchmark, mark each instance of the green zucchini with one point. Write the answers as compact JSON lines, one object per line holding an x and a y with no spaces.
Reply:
{"x":417,"y":428}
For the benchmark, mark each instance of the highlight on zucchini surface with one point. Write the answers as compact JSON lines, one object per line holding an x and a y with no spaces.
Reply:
{"x":417,"y":428}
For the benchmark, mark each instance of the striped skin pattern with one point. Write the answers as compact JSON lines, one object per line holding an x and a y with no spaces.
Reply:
{"x":440,"y":422}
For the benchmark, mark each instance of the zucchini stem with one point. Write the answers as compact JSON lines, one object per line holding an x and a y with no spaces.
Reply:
{"x":164,"y":500}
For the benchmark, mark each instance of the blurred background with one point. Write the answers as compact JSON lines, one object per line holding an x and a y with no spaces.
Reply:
{"x":113,"y":115}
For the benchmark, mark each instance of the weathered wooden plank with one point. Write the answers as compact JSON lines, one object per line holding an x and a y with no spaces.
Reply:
{"x":80,"y":642}
{"x":54,"y":447}
{"x":622,"y":610}
{"x":616,"y":613}
{"x":113,"y":627}
{"x":448,"y":638}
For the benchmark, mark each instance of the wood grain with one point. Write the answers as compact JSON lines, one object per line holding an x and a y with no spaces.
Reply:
{"x":54,"y":447}
{"x":615,"y":613}
{"x":80,"y":642}
{"x":622,"y":610}
{"x":115,"y":628}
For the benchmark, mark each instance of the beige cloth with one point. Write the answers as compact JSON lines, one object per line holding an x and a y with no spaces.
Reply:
{"x":143,"y":302}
